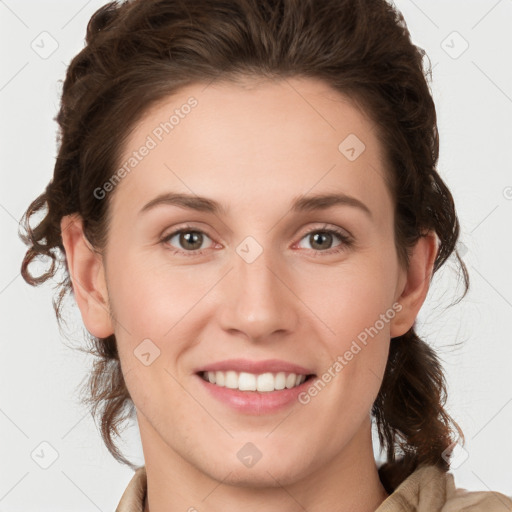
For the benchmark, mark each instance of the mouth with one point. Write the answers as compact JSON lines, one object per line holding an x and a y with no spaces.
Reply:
{"x":263,"y":382}
{"x":255,"y":387}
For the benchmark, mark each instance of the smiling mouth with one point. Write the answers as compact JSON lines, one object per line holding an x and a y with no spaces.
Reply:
{"x":263,"y":382}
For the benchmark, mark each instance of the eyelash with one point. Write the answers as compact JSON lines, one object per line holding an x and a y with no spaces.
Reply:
{"x":346,"y":241}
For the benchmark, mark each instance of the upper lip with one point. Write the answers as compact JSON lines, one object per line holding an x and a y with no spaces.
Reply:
{"x":257,"y":367}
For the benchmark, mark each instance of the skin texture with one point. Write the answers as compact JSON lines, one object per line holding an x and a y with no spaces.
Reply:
{"x":254,"y":148}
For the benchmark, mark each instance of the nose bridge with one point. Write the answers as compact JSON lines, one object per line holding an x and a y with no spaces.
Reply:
{"x":258,"y":302}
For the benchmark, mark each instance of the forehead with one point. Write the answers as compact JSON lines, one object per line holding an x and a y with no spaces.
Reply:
{"x":253,"y":141}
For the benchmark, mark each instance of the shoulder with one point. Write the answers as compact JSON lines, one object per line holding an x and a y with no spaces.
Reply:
{"x":134,"y":495}
{"x":430,"y":489}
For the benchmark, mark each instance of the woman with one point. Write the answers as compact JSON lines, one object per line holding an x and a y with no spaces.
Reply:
{"x":247,"y":200}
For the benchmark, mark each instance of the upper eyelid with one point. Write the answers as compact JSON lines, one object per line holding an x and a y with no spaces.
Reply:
{"x":325,"y":226}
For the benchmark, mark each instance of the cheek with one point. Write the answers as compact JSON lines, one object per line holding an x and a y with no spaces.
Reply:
{"x":352,"y":298}
{"x":358,"y":307}
{"x":150,"y":298}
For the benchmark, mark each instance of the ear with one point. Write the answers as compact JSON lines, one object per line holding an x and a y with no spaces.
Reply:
{"x":413,"y":289}
{"x":87,"y":276}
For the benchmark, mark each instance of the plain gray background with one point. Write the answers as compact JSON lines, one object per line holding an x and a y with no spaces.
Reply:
{"x":470,"y":46}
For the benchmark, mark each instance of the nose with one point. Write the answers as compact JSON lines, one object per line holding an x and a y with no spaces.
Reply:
{"x":257,"y":298}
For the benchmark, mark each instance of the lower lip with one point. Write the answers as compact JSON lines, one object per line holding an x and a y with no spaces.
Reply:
{"x":256,"y":402}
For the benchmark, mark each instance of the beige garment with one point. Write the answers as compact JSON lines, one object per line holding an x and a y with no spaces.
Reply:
{"x":428,"y":489}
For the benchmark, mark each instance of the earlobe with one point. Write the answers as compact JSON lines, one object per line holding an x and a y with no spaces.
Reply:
{"x":413,"y":293}
{"x":87,"y":275}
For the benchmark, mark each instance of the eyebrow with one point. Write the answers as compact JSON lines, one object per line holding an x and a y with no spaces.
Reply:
{"x":299,"y":204}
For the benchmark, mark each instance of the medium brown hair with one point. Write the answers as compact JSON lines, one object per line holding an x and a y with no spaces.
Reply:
{"x":138,"y":53}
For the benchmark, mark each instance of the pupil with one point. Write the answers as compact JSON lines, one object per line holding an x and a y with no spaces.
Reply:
{"x":316,"y":236}
{"x":191,"y":237}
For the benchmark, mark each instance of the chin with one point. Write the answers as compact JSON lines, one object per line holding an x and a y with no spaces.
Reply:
{"x":263,"y":476}
{"x":273,"y":469}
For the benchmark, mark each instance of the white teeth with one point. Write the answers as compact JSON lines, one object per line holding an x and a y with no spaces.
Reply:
{"x":247,"y":382}
{"x":290,"y":380}
{"x":231,"y":380}
{"x":264,"y":382}
{"x":220,"y":378}
{"x":280,"y":381}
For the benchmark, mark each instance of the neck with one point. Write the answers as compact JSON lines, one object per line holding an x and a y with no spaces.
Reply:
{"x":348,"y":482}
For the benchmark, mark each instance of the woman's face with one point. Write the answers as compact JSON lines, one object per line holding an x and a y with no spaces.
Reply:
{"x":265,"y":278}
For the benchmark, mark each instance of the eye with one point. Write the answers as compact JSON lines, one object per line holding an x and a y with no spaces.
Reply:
{"x":321,"y":240}
{"x":190,"y":241}
{"x":187,"y":240}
